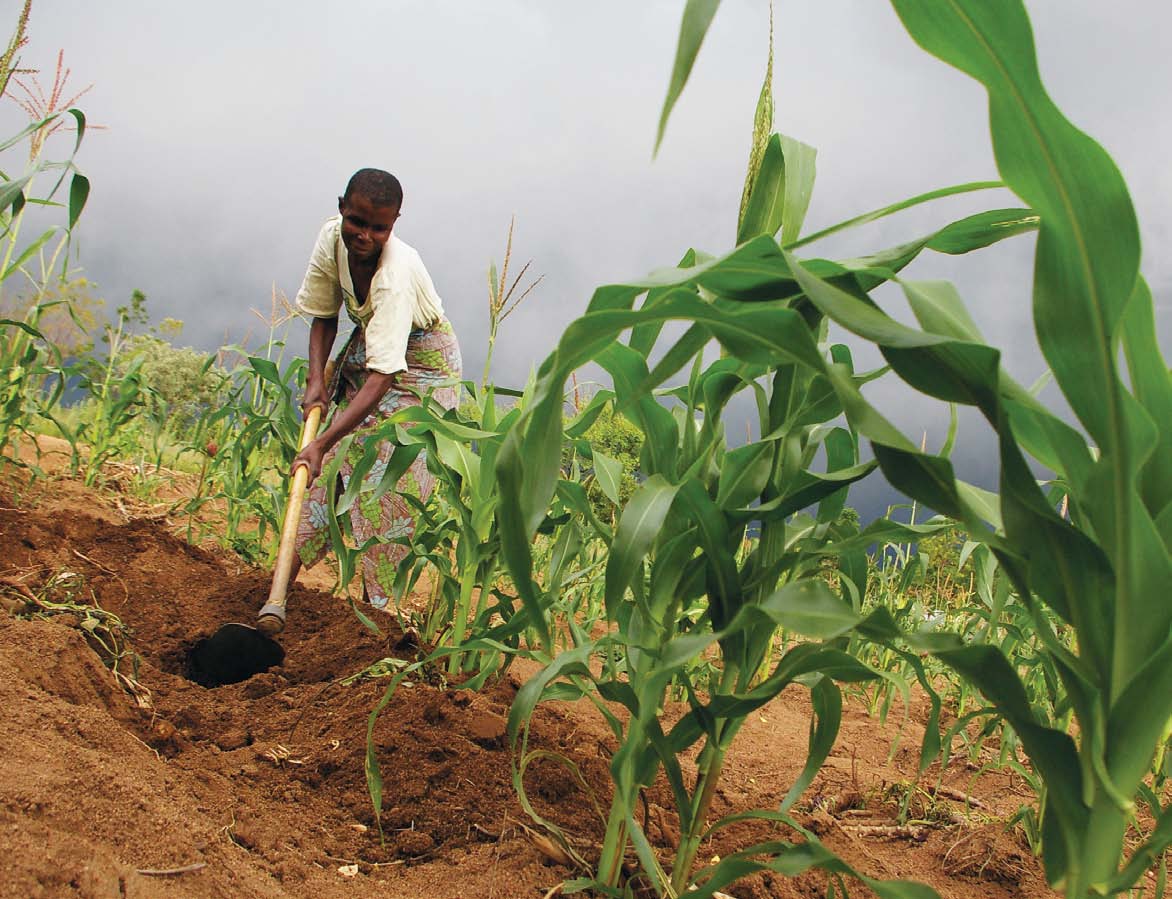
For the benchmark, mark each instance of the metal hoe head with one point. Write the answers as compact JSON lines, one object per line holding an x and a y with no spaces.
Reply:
{"x":233,"y":653}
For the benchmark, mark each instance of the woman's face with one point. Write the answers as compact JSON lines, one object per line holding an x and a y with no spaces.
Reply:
{"x":365,"y":227}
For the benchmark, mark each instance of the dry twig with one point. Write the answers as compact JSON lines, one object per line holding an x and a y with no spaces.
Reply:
{"x":170,"y":872}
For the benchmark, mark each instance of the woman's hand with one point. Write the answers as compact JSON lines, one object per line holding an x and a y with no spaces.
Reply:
{"x":310,"y":457}
{"x":315,"y":395}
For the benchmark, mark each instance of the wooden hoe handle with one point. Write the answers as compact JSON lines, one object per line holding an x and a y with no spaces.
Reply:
{"x":271,"y":619}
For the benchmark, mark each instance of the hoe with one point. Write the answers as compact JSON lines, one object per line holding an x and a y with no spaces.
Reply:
{"x":238,"y":651}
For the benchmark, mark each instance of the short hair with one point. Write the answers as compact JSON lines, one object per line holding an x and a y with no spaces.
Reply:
{"x":381,"y":188}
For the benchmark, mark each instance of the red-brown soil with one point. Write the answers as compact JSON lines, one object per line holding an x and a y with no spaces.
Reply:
{"x":257,"y":789}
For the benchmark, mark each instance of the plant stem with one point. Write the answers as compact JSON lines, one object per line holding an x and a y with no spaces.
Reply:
{"x":460,"y":619}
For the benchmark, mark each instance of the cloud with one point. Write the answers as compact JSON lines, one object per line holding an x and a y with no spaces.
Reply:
{"x":233,"y":127}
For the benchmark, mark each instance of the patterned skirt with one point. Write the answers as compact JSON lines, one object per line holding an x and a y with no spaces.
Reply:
{"x":433,"y":364}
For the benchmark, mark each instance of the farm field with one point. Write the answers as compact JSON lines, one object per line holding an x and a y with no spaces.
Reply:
{"x":633,"y":637}
{"x":261,"y":783}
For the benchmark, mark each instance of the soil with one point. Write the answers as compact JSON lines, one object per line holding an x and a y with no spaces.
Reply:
{"x":137,"y":782}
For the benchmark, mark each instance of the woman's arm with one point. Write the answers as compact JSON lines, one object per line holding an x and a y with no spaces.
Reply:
{"x":363,"y":403}
{"x":321,"y":339}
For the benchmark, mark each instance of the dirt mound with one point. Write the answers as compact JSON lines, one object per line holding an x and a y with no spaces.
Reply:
{"x":145,"y":784}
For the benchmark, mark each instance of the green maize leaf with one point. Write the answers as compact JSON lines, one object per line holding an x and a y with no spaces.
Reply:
{"x":679,"y":651}
{"x":721,"y":382}
{"x":1087,"y":265}
{"x":28,"y":253}
{"x":643,"y":338}
{"x":574,"y":496}
{"x":826,"y":716}
{"x":364,"y":619}
{"x":814,"y":659}
{"x":1139,"y":556}
{"x":628,"y":369}
{"x":458,"y":457}
{"x":647,"y":857}
{"x":267,"y":369}
{"x":821,"y":403}
{"x":619,"y":692}
{"x":857,"y":312}
{"x":1088,"y":250}
{"x":527,"y":488}
{"x":939,"y":309}
{"x":1137,"y":719}
{"x":638,"y":529}
{"x":785,"y":398}
{"x":805,"y":489}
{"x":1052,"y":752}
{"x":759,"y":331}
{"x":609,"y":473}
{"x":517,"y":526}
{"x":23,"y":326}
{"x":841,"y":453}
{"x":671,"y":768}
{"x":718,"y":545}
{"x":928,"y":479}
{"x":677,"y":356}
{"x":809,"y":608}
{"x":1153,"y":388}
{"x":800,"y":172}
{"x":885,"y":211}
{"x":1146,"y":855}
{"x":614,"y":296}
{"x":401,"y":460}
{"x":791,"y":860}
{"x":949,"y":370}
{"x":12,"y":192}
{"x":862,"y":416}
{"x":753,"y":271}
{"x":357,"y":476}
{"x":744,"y":473}
{"x":426,"y":418}
{"x":79,"y":191}
{"x":374,"y":779}
{"x":79,"y":126}
{"x":954,"y":372}
{"x":1067,"y":569}
{"x":963,"y":236}
{"x":763,"y":212}
{"x":698,"y":15}
{"x":667,"y":571}
{"x":581,"y":422}
{"x":569,"y":663}
{"x":29,"y":129}
{"x":982,"y":230}
{"x":781,"y":191}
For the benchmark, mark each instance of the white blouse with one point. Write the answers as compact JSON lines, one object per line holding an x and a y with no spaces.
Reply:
{"x":401,"y":295}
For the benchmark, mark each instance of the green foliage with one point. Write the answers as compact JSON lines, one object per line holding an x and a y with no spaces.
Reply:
{"x":650,"y":556}
{"x":1099,"y":573}
{"x":762,"y":128}
{"x":26,"y":357}
{"x":616,"y":438}
{"x":185,"y":383}
{"x":67,"y":313}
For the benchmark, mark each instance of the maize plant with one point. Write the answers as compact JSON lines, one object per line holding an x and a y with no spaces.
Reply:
{"x":26,"y":357}
{"x":1101,"y":572}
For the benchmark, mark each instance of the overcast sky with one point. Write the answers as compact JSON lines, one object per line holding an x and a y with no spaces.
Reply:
{"x":232,"y":128}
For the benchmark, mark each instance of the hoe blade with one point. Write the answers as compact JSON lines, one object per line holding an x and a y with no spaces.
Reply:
{"x":233,"y":653}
